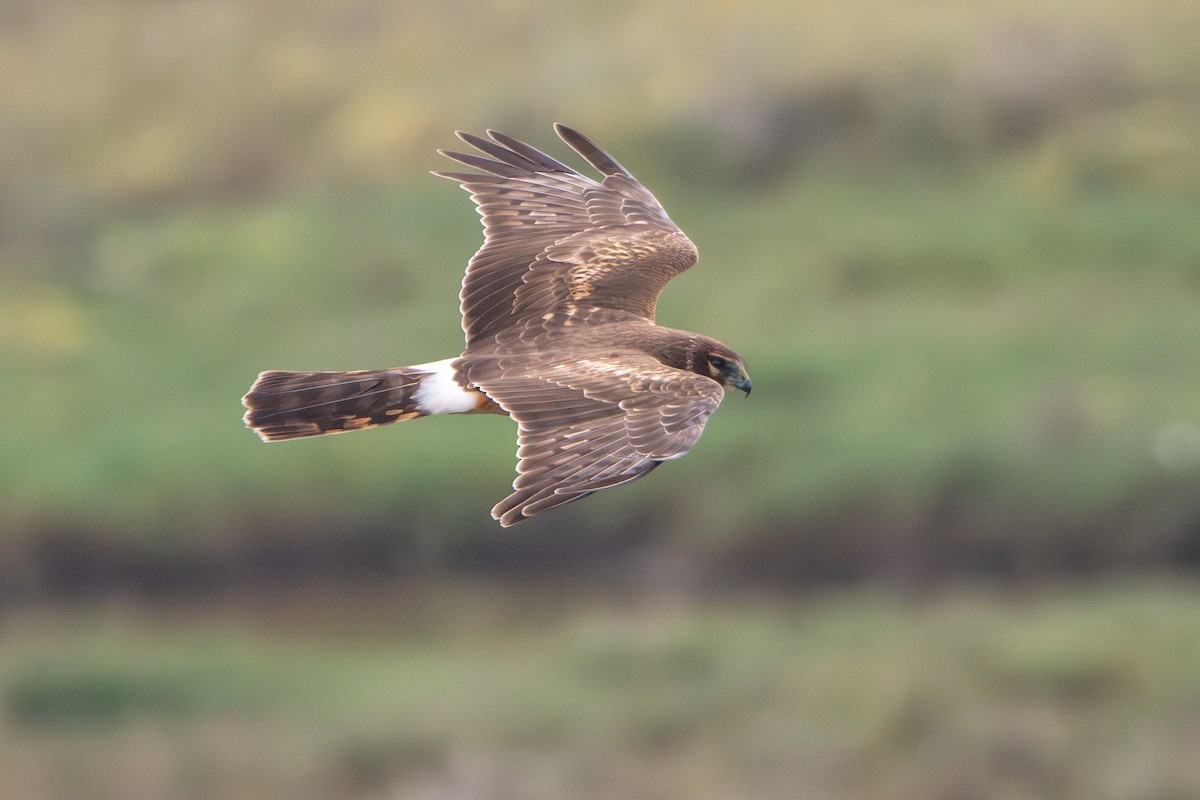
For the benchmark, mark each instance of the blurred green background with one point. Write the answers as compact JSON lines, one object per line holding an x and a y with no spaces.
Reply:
{"x":947,"y":549}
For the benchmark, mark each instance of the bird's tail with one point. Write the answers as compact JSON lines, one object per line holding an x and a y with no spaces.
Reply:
{"x":290,"y":405}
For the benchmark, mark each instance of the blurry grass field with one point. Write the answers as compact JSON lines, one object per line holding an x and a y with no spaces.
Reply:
{"x":956,"y":245}
{"x":965,"y":352}
{"x":1066,"y":694}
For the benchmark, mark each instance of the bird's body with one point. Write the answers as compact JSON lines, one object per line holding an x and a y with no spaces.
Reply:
{"x":558,"y":312}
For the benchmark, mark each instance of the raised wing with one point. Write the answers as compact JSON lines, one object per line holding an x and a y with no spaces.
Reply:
{"x":558,"y":244}
{"x":596,"y":422}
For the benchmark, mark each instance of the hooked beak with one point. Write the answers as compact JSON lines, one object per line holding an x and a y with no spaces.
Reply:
{"x":742,"y":382}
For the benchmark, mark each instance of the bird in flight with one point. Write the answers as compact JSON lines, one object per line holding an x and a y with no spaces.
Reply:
{"x":558,"y":311}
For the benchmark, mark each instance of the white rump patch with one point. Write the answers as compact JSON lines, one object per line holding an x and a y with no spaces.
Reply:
{"x":439,"y":393}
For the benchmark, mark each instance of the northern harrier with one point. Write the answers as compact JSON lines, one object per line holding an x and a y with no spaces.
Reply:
{"x":558,"y":311}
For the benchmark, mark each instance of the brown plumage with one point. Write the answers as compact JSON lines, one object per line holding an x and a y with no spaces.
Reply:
{"x":558,"y":311}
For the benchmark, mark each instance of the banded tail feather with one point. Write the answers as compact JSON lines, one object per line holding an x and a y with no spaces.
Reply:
{"x":291,"y":405}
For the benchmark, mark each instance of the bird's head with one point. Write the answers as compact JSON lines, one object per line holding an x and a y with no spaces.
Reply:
{"x":726,"y":368}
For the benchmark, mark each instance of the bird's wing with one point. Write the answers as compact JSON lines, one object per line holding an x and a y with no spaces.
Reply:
{"x":558,"y":244}
{"x":595,"y":422}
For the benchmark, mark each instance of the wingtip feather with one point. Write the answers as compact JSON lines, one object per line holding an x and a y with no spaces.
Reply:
{"x":591,"y":152}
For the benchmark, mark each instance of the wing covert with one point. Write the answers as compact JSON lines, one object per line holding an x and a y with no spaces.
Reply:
{"x":596,"y":422}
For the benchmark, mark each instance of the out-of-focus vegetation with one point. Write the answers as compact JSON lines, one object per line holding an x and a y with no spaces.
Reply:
{"x":1057,"y":696}
{"x":957,"y":243}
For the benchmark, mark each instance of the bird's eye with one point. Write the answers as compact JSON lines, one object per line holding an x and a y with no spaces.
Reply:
{"x":718,"y":362}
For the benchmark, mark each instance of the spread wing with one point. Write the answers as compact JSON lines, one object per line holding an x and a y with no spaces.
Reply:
{"x":596,"y":422}
{"x":557,"y":242}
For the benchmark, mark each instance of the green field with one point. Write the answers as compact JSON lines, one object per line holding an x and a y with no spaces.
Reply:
{"x":957,"y":247}
{"x":487,"y":692}
{"x":964,"y":358}
{"x":946,"y":550}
